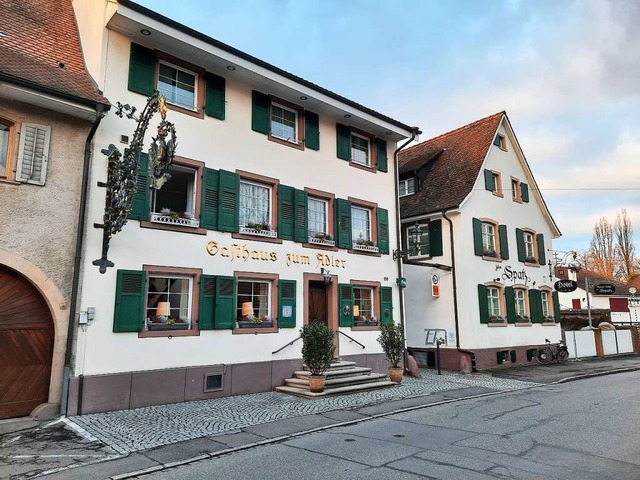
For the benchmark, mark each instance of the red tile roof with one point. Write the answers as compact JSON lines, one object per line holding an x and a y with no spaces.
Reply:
{"x":452,"y":163}
{"x":40,"y":48}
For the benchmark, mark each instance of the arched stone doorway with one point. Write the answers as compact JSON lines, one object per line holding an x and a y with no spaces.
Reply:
{"x":26,"y":345}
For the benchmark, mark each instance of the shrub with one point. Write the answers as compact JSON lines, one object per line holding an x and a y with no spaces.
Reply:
{"x":392,"y":341}
{"x":317,"y":347}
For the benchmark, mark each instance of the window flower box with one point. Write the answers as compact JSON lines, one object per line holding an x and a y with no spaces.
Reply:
{"x":496,"y":319}
{"x":490,"y":253}
{"x":365,"y":246}
{"x":365,"y":322}
{"x":170,"y":324}
{"x":173,"y":218}
{"x":322,"y":239}
{"x":530,"y":260}
{"x":247,"y":324}
{"x":259,"y":230}
{"x":523,"y":319}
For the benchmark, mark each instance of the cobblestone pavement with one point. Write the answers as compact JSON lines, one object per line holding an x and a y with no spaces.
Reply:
{"x":128,"y":431}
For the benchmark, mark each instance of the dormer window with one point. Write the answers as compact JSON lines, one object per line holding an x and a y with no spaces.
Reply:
{"x":407,"y":187}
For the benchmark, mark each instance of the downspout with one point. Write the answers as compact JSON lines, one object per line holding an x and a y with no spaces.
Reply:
{"x":414,"y":132}
{"x":455,"y":290}
{"x":100,"y":113}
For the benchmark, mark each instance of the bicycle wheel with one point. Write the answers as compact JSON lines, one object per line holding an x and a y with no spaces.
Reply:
{"x":544,"y":355}
{"x":562,"y":357}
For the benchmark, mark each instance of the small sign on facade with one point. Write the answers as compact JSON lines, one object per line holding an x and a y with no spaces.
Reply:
{"x":565,"y":286}
{"x":604,"y":289}
{"x":435,"y":286}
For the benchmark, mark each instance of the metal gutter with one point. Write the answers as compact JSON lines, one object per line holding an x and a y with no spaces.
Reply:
{"x":100,"y":112}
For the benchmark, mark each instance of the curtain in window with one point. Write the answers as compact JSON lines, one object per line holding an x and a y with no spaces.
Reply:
{"x":254,"y":204}
{"x":360,"y":221}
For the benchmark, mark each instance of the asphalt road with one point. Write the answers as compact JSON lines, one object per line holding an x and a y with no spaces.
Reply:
{"x":589,"y":429}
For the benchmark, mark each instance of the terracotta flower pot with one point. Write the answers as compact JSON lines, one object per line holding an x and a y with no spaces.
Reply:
{"x":316,"y":383}
{"x":395,"y":374}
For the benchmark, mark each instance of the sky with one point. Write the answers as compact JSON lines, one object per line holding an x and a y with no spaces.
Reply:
{"x":566,"y":72}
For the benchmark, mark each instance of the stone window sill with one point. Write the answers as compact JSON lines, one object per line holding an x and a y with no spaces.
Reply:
{"x":497,"y":324}
{"x":254,"y":331}
{"x":169,"y":333}
{"x":523,"y":324}
{"x":371,"y":328}
{"x":255,"y":238}
{"x":173,"y":228}
{"x":491,"y":259}
{"x":550,"y":324}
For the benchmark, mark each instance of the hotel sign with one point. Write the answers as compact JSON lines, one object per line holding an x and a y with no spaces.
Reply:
{"x":241,"y":252}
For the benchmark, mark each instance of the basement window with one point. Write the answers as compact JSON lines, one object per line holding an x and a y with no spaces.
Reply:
{"x":213,"y":383}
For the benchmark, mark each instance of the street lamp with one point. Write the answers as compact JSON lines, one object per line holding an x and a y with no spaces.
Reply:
{"x":415,"y":233}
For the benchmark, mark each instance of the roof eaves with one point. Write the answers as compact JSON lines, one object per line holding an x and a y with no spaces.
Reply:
{"x":245,"y":56}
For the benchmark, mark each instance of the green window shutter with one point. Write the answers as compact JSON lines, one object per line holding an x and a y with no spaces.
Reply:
{"x":286,"y":299}
{"x":260,"y":121}
{"x":477,"y":236}
{"x":343,"y":223}
{"x":504,"y":242}
{"x":510,"y":300}
{"x":522,"y":254}
{"x":542,"y":259}
{"x":435,"y":238}
{"x":301,"y":226}
{"x":214,"y":102}
{"x":142,"y":70}
{"x":286,"y":217}
{"x":386,"y":305}
{"x":210,"y":198}
{"x":207,"y":305}
{"x":535,"y":306}
{"x":381,"y":154}
{"x":345,"y":304}
{"x":142,"y":196}
{"x":524,"y":188}
{"x":383,"y":230}
{"x":228,"y":201}
{"x":483,"y":303}
{"x":225,"y":310}
{"x":129,"y":308}
{"x":311,"y":130}
{"x":556,"y":306}
{"x":489,"y":181}
{"x":343,"y":135}
{"x":497,"y":142}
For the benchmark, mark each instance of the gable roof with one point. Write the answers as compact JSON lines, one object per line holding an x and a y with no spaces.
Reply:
{"x":452,"y":161}
{"x":40,"y":49}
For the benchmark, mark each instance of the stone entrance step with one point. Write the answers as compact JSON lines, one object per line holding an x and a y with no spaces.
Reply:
{"x":338,"y":372}
{"x":336,"y":391}
{"x":340,"y":381}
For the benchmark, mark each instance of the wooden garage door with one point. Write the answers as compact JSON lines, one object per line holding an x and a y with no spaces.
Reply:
{"x":26,"y":345}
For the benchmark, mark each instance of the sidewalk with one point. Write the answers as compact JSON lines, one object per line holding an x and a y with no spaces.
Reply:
{"x":109,"y":445}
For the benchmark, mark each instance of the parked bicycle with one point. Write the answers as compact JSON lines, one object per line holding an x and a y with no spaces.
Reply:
{"x":549,"y":353}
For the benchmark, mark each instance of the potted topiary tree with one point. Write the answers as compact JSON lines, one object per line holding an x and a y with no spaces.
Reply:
{"x":317,"y":352}
{"x":391,"y":339}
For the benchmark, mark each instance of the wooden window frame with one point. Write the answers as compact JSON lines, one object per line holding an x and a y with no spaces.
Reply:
{"x":496,"y":240}
{"x":497,"y":178}
{"x":12,"y":154}
{"x":330,"y":199}
{"x":406,"y":236}
{"x":299,"y":143}
{"x":407,"y":184}
{"x":501,"y":302}
{"x":174,"y":62}
{"x":517,"y":190}
{"x":273,"y":183}
{"x":270,"y":277}
{"x":550,"y":305}
{"x":373,"y":211}
{"x":199,"y":168}
{"x":195,"y":273}
{"x":373,"y":151}
{"x":503,"y":142}
{"x":534,"y":240}
{"x":527,"y":307}
{"x":375,"y":286}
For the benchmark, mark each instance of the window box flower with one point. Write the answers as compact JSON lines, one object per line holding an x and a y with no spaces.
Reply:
{"x":322,"y":239}
{"x":365,"y":245}
{"x":530,"y":260}
{"x":251,"y":321}
{"x":489,"y":253}
{"x":523,"y":319}
{"x":549,"y":319}
{"x":259,"y":229}
{"x":496,"y":319}
{"x":170,"y":217}
{"x":371,"y":321}
{"x":162,"y":323}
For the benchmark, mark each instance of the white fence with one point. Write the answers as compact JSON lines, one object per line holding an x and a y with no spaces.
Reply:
{"x":583,"y":343}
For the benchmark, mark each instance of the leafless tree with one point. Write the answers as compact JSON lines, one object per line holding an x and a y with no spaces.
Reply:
{"x":625,"y":248}
{"x":601,"y":257}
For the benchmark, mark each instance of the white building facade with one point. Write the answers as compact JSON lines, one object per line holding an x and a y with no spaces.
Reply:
{"x":280,"y":210}
{"x":480,"y":281}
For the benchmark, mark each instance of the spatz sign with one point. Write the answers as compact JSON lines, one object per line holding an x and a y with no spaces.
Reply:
{"x":241,"y":252}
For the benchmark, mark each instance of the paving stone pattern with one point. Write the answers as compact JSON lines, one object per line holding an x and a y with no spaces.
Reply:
{"x":128,"y":431}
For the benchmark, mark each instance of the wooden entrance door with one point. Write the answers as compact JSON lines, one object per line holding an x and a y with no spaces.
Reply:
{"x":26,"y":346}
{"x":318,"y":302}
